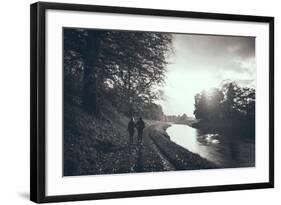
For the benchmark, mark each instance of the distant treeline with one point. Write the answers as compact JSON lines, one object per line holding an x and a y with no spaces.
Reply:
{"x":115,"y":68}
{"x":181,"y":119}
{"x":230,"y":108}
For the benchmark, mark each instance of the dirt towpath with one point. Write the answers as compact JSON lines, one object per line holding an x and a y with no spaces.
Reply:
{"x":159,"y":153}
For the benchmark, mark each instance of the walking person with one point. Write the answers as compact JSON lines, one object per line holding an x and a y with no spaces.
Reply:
{"x":140,"y":125}
{"x":131,"y":130}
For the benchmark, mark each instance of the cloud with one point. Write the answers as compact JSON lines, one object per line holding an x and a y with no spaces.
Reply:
{"x":202,"y":62}
{"x":213,"y":52}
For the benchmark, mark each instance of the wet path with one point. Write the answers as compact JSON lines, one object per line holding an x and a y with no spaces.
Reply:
{"x":150,"y":157}
{"x":158,"y":153}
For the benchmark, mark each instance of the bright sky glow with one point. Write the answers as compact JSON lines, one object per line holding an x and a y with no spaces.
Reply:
{"x":202,"y":62}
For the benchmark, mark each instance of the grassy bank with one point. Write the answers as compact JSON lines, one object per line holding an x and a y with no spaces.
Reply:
{"x":181,"y":158}
{"x":100,"y":146}
{"x":95,"y":145}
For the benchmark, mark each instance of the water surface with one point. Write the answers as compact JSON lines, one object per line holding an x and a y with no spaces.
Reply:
{"x":225,"y":151}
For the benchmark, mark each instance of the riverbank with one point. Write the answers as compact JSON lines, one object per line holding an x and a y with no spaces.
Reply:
{"x":179,"y":157}
{"x":101,"y":146}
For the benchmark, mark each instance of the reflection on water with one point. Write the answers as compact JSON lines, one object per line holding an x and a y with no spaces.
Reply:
{"x":225,"y":151}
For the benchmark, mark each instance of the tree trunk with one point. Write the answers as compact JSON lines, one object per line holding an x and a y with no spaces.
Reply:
{"x":90,"y":88}
{"x":130,"y":100}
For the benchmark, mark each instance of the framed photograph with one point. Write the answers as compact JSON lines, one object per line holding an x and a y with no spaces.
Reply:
{"x":129,"y":102}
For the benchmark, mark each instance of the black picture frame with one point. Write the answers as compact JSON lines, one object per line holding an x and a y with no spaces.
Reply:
{"x":38,"y":101}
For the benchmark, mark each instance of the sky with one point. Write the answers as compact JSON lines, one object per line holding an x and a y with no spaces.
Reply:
{"x":201,"y":62}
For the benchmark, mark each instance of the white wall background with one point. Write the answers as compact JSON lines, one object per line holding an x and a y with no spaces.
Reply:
{"x":14,"y":102}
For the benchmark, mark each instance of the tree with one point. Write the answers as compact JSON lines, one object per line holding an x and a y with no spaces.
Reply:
{"x":91,"y":71}
{"x":151,"y":111}
{"x":121,"y":66}
{"x":239,"y":107}
{"x":139,"y":61}
{"x":231,"y":106}
{"x":73,"y":46}
{"x":207,"y":104}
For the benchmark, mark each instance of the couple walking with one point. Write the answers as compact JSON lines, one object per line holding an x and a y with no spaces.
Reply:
{"x":140,"y":125}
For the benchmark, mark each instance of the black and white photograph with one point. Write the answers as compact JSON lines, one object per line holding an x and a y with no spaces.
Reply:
{"x":142,"y":101}
{"x":139,"y":101}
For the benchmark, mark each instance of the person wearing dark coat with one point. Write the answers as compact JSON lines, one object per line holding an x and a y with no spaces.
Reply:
{"x":131,"y":130}
{"x":140,"y":125}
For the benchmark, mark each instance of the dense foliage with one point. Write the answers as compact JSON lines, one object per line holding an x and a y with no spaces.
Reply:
{"x":230,"y":107}
{"x":117,"y":66}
